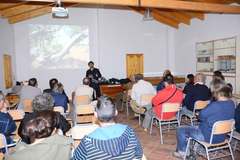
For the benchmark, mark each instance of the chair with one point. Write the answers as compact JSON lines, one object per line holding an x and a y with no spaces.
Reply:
{"x":82,"y":100}
{"x":126,"y":100}
{"x":17,"y":116}
{"x":219,"y":127}
{"x":3,"y":143}
{"x":59,"y":109}
{"x":198,"y":105}
{"x":85,"y":113}
{"x":167,"y":107}
{"x":145,"y":99}
{"x":236,"y":137}
{"x":79,"y":131}
{"x":27,"y":105}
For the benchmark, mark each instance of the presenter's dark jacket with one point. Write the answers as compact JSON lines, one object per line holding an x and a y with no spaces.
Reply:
{"x":95,"y":73}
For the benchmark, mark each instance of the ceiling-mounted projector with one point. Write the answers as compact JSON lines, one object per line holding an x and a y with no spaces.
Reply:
{"x":59,"y":11}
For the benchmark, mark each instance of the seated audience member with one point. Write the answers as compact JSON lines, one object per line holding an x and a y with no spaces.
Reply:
{"x":45,"y":143}
{"x":110,"y":140}
{"x":189,"y":84}
{"x":160,"y":86}
{"x":170,"y":94}
{"x":221,"y":109}
{"x":17,"y":88}
{"x":7,"y":124}
{"x":218,"y":75}
{"x":29,"y":91}
{"x":141,"y":87}
{"x":52,"y":83}
{"x":198,"y":92}
{"x":84,"y":89}
{"x":43,"y":102}
{"x":59,"y":98}
{"x":237,"y":118}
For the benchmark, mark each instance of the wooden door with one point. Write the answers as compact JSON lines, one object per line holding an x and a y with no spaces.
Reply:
{"x":134,"y":64}
{"x":7,"y":65}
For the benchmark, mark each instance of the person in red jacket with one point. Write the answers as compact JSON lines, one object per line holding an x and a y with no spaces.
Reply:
{"x":170,"y":94}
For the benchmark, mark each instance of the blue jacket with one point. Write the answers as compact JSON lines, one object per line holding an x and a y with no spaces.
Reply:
{"x":160,"y":86}
{"x":7,"y":126}
{"x":197,"y":92}
{"x":60,"y":100}
{"x":215,"y":111}
{"x":111,"y":142}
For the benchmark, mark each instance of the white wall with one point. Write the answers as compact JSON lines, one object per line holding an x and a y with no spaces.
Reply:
{"x":6,"y":47}
{"x":213,"y":27}
{"x":113,"y":33}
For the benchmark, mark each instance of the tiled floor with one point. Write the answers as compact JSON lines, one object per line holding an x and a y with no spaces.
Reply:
{"x":151,"y":144}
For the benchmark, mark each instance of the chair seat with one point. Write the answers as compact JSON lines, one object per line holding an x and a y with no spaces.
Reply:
{"x":213,"y":145}
{"x":165,"y":120}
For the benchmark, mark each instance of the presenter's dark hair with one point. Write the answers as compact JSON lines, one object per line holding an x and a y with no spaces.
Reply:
{"x":90,"y":62}
{"x":32,"y":82}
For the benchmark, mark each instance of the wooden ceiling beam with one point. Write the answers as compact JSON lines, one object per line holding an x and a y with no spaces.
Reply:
{"x":198,"y":15}
{"x":191,"y":6}
{"x":34,"y":13}
{"x":159,"y":18}
{"x":100,"y":2}
{"x":175,"y":16}
{"x":165,"y":4}
{"x":31,"y":14}
{"x":19,"y":10}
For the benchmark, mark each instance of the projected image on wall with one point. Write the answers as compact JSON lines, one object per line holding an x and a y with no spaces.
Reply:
{"x":59,"y":46}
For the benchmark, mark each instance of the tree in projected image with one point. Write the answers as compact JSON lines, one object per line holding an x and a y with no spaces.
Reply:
{"x":59,"y":46}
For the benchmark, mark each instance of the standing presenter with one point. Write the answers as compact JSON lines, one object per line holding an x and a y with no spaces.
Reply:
{"x":94,"y":75}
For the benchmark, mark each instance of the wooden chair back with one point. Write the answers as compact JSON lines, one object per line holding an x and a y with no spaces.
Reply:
{"x":170,"y":107}
{"x":59,"y":109}
{"x":147,"y":98}
{"x":84,"y":109}
{"x":27,"y":105}
{"x":200,"y":104}
{"x":222,"y":127}
{"x":82,"y":100}
{"x":16,"y":114}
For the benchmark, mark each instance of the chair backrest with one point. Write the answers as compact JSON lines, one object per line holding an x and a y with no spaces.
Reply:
{"x":222,"y":127}
{"x":170,"y":107}
{"x":16,"y":114}
{"x":82,"y":100}
{"x":79,"y":131}
{"x":27,"y":105}
{"x":146,"y":98}
{"x":59,"y":109}
{"x":3,"y":143}
{"x":198,"y":105}
{"x":84,"y":109}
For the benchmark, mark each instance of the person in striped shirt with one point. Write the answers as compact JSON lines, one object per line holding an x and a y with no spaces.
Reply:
{"x":111,"y":140}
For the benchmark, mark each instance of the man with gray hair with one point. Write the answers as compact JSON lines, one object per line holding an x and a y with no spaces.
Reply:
{"x":199,"y":91}
{"x":111,"y":140}
{"x":141,"y":87}
{"x":84,"y":89}
{"x":40,"y":103}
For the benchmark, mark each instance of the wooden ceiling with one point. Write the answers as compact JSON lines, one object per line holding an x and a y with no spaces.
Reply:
{"x":170,"y":12}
